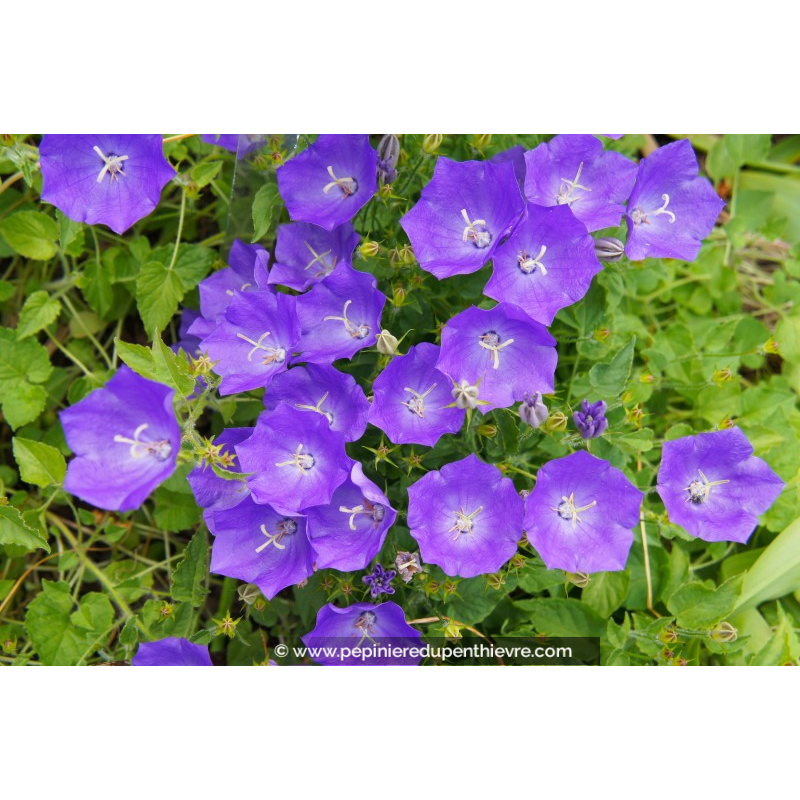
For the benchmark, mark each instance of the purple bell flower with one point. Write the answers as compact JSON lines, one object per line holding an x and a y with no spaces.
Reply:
{"x":188,"y":342}
{"x":254,"y":341}
{"x":296,"y":460}
{"x":248,"y":271}
{"x":515,"y":156}
{"x":126,"y":440}
{"x":591,"y":420}
{"x":339,"y":316}
{"x":580,"y":514}
{"x":257,"y":544}
{"x":463,"y":214}
{"x":411,"y":399}
{"x":380,"y":581}
{"x":171,"y":652}
{"x":305,"y":253}
{"x":322,"y":389}
{"x":348,"y":532}
{"x":330,"y":181}
{"x":503,"y":348}
{"x":671,"y":209}
{"x":546,"y":264}
{"x":363,"y":626}
{"x":574,"y":170}
{"x":212,"y":492}
{"x":466,"y":517}
{"x":107,"y":178}
{"x":714,"y":487}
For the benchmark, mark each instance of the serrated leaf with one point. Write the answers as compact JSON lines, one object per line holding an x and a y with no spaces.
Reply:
{"x":21,"y":365}
{"x":193,"y":263}
{"x":39,"y":463}
{"x":39,"y":311}
{"x":265,"y":204}
{"x":96,"y":287}
{"x":609,"y":379}
{"x":473,"y":603}
{"x":189,"y":576}
{"x":557,"y":616}
{"x":24,"y":405}
{"x":53,"y":635}
{"x":783,"y":647}
{"x":31,"y":234}
{"x":698,"y":607}
{"x":159,"y":292}
{"x":776,"y":572}
{"x":95,"y":613}
{"x":175,"y":511}
{"x":14,"y":531}
{"x":157,"y":364}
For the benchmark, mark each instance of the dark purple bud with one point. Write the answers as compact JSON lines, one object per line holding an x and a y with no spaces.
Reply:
{"x":388,"y":156}
{"x":380,"y":581}
{"x":590,"y":420}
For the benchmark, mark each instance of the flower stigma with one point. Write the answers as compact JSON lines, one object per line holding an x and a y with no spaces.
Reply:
{"x":303,"y":461}
{"x":464,"y":521}
{"x":491,"y":341}
{"x":286,"y":527}
{"x":699,"y":490}
{"x":356,"y":331}
{"x":112,"y":164}
{"x":318,"y":408}
{"x":475,"y":232}
{"x":416,"y":405}
{"x":567,"y":510}
{"x":528,"y":264}
{"x":348,"y":185}
{"x":276,"y":355}
{"x":161,"y":449}
{"x":565,"y":191}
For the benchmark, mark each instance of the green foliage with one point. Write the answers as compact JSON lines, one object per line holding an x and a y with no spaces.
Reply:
{"x":39,"y":463}
{"x":188,"y":579}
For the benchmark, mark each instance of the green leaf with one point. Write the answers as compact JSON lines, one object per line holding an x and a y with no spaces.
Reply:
{"x":95,"y":613}
{"x":70,"y":234}
{"x":193,"y":264}
{"x":776,"y":572}
{"x":158,"y":364}
{"x":606,"y":592}
{"x":557,"y":616}
{"x":31,"y":234}
{"x":39,"y":311}
{"x":175,"y":511}
{"x":96,"y":287}
{"x":39,"y":463}
{"x":21,"y":365}
{"x":204,"y":173}
{"x":735,"y":150}
{"x":783,"y":647}
{"x":474,"y":603}
{"x":6,"y":290}
{"x":57,"y":641}
{"x":699,"y":607}
{"x":609,"y":379}
{"x":159,"y":292}
{"x":190,"y":574}
{"x":266,"y":203}
{"x":14,"y":531}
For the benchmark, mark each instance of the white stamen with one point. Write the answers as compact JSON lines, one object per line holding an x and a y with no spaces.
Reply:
{"x":303,"y":461}
{"x":565,"y":195}
{"x":495,"y":348}
{"x":567,"y":510}
{"x":417,"y":402}
{"x":161,"y":449}
{"x":318,"y":408}
{"x":356,"y":331}
{"x":272,"y":538}
{"x":347,"y":184}
{"x":326,"y":268}
{"x":464,"y":521}
{"x":111,"y":164}
{"x":529,"y":265}
{"x":275,"y":354}
{"x":699,"y":491}
{"x":663,"y":209}
{"x":480,"y":238}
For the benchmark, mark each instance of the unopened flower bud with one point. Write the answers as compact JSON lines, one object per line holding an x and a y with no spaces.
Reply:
{"x":465,"y":395}
{"x":721,"y":376}
{"x":388,"y":156}
{"x":482,"y":140}
{"x":249,"y":593}
{"x":647,"y":377}
{"x":579,"y":579}
{"x":432,"y":142}
{"x":487,"y":430}
{"x":609,"y":249}
{"x":591,"y":421}
{"x":452,"y":630}
{"x":771,"y":346}
{"x":728,"y":422}
{"x":626,"y":396}
{"x":556,"y":422}
{"x":398,"y":296}
{"x":724,"y":632}
{"x":532,"y":410}
{"x":386,"y":343}
{"x":601,"y":334}
{"x":635,"y":415}
{"x":369,"y":249}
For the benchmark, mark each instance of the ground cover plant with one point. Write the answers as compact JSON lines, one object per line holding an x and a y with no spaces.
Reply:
{"x":261,"y":392}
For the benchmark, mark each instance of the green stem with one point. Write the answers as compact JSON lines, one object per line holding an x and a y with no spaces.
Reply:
{"x":180,"y":231}
{"x":126,"y":610}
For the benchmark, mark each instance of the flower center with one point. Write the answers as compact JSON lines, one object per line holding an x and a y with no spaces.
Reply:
{"x":356,"y":331}
{"x":416,"y":404}
{"x":567,"y":189}
{"x":348,"y":185}
{"x":475,"y":232}
{"x":319,"y":258}
{"x":318,"y":408}
{"x":161,"y":450}
{"x":365,"y":624}
{"x":528,"y":264}
{"x":463,"y":522}
{"x":303,"y":461}
{"x":491,"y":341}
{"x":639,"y":217}
{"x":699,"y":490}
{"x":274,"y":355}
{"x":373,"y":510}
{"x":567,"y":509}
{"x":112,"y":164}
{"x":286,"y":527}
